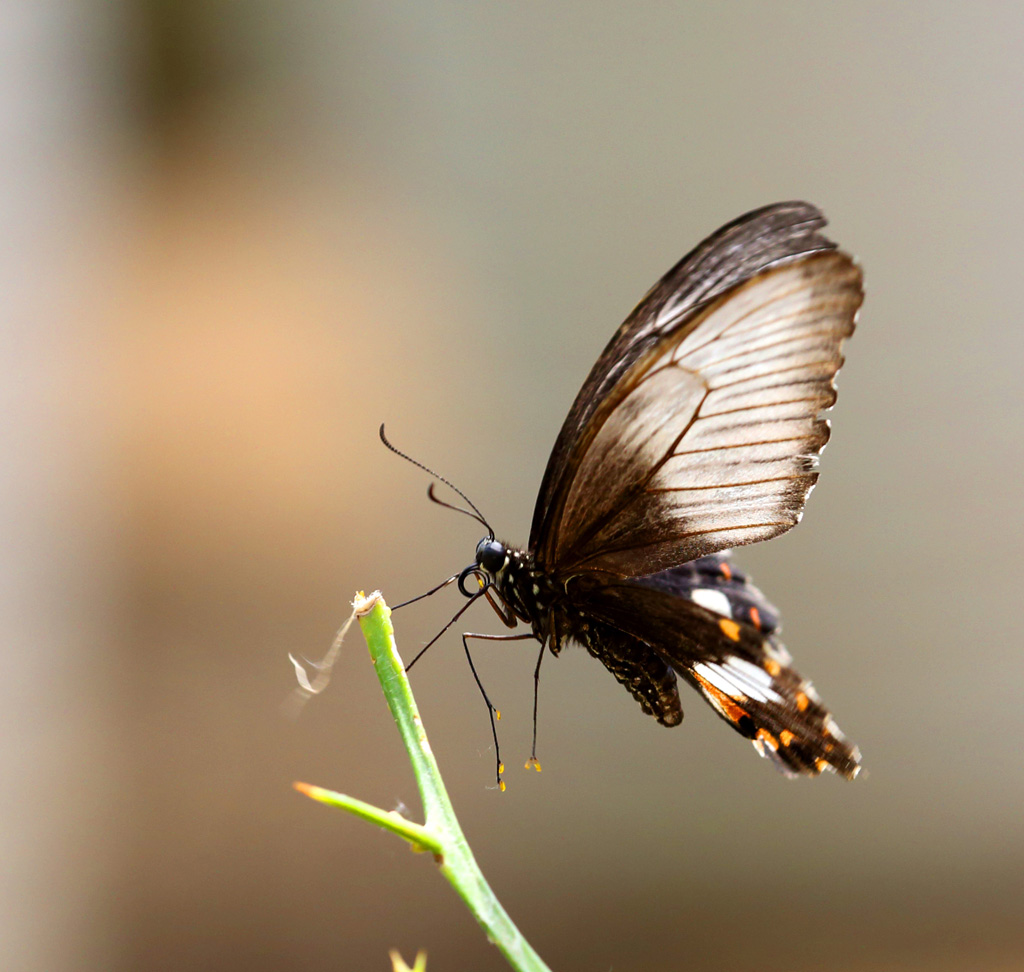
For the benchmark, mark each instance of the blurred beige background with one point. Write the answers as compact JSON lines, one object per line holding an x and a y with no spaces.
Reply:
{"x":237,"y":237}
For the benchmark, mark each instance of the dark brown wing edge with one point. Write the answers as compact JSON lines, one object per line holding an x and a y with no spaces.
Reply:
{"x":736,"y":252}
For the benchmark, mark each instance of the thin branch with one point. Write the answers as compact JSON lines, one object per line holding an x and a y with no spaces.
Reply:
{"x":441,"y":834}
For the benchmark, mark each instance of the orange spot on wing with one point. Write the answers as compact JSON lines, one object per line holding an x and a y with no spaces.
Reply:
{"x":767,"y":738}
{"x":721,"y":701}
{"x":772,"y":667}
{"x":786,"y":737}
{"x":730,"y":629}
{"x":726,"y":571}
{"x":801,"y":701}
{"x":755,"y":618}
{"x":820,"y":764}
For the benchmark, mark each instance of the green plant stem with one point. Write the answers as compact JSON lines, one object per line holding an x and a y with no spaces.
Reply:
{"x":440,"y":834}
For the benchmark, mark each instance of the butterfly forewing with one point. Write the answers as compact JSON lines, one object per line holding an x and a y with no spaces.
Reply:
{"x":735,"y":253}
{"x":710,"y":439}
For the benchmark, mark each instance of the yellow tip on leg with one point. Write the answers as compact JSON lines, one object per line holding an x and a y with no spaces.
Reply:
{"x":501,"y":785}
{"x":497,"y":714}
{"x":532,"y":763}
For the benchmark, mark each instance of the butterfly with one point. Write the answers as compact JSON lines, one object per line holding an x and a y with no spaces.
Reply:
{"x":697,"y":430}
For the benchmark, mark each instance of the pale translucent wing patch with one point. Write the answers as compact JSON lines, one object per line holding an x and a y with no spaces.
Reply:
{"x":711,"y":440}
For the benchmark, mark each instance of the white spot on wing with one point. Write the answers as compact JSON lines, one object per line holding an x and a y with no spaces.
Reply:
{"x":739,"y":679}
{"x":754,"y":681}
{"x":712,"y":600}
{"x":715,"y":675}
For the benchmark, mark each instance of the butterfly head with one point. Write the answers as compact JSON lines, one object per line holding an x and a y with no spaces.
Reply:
{"x":492,"y":557}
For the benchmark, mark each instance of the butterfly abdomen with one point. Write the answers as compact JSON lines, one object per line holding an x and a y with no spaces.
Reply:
{"x":541,"y":602}
{"x":645,"y":675}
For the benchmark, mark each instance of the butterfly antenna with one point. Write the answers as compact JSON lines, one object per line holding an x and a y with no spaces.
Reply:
{"x":475,"y":514}
{"x":432,"y":496}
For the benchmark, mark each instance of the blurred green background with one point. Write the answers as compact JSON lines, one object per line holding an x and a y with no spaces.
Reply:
{"x":236,"y":237}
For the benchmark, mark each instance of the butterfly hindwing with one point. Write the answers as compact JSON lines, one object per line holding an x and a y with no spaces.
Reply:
{"x":716,"y":583}
{"x":744,"y":673}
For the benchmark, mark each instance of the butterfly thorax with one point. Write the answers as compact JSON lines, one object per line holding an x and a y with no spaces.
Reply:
{"x":526,"y":592}
{"x":521,"y":591}
{"x":530,"y":595}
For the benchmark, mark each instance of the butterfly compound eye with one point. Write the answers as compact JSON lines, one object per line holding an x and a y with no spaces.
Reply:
{"x":491,"y":555}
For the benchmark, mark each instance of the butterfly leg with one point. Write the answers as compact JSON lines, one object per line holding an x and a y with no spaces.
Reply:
{"x":533,"y":761}
{"x":458,"y":614}
{"x":503,"y":610}
{"x":430,"y":593}
{"x":491,"y":710}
